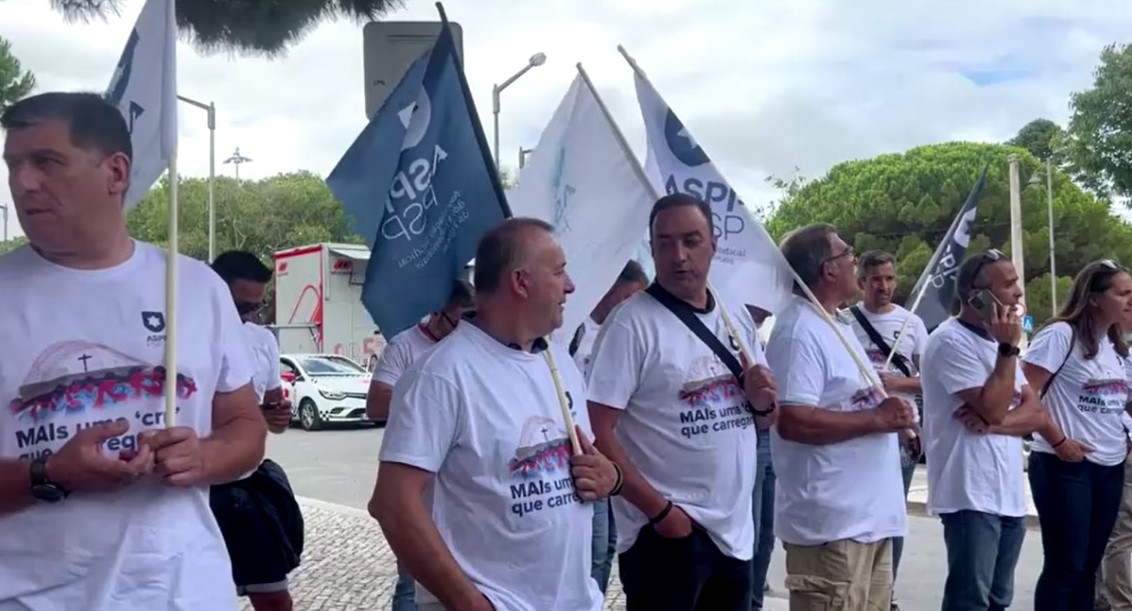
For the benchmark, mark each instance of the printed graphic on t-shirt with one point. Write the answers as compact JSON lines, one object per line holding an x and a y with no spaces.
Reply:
{"x":1103,"y":397}
{"x":713,"y":401}
{"x":540,"y":469}
{"x":86,"y":379}
{"x":866,"y":398}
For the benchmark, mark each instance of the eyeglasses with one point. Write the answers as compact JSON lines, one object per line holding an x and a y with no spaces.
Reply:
{"x":249,"y":307}
{"x":993,"y":255}
{"x":848,"y":252}
{"x":448,"y":319}
{"x":1111,"y":265}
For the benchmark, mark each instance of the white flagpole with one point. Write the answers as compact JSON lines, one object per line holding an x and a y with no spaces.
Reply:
{"x":904,"y":327}
{"x":171,"y":301}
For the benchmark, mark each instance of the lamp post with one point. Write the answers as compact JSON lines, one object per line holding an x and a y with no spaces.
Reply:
{"x":4,"y":207}
{"x":236,"y":159}
{"x":1035,"y":180}
{"x":536,"y":60}
{"x":210,"y":108}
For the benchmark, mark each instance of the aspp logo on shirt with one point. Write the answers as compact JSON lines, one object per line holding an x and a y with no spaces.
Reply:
{"x":154,"y":322}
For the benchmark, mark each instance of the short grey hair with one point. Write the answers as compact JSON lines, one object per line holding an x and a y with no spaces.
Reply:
{"x":806,"y":249}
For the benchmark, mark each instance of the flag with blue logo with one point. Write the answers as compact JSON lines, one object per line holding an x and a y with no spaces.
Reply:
{"x":582,"y":180}
{"x":937,"y":282}
{"x":422,"y":189}
{"x":748,"y":265}
{"x":144,"y":88}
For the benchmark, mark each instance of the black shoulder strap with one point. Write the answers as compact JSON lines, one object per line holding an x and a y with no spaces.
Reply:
{"x":577,"y":341}
{"x":878,"y":341}
{"x":1068,"y":353}
{"x":687,"y":315}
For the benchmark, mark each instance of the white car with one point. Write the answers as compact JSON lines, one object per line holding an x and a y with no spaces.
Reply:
{"x":324,"y":389}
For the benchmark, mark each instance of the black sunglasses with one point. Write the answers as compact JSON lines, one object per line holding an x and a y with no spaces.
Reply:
{"x":993,"y":255}
{"x":248,"y":307}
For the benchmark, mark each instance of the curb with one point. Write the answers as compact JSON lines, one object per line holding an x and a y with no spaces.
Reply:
{"x":920,"y":508}
{"x":335,"y":507}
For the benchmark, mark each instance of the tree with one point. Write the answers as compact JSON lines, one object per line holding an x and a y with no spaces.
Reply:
{"x":259,"y":28}
{"x":1100,"y":130}
{"x":12,"y":244}
{"x":904,"y":204}
{"x":1039,"y":137}
{"x":14,"y":86}
{"x":260,"y":216}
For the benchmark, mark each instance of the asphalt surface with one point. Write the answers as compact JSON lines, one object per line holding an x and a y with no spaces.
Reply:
{"x":346,"y":553}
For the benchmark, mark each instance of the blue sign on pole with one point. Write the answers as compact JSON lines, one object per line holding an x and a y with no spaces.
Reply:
{"x":1028,"y":323}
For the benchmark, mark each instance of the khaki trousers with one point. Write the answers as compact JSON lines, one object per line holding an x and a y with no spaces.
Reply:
{"x":841,"y":575}
{"x":1115,"y":577}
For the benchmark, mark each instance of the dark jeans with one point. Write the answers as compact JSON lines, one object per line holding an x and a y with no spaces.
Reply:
{"x":1077,"y":506}
{"x":763,"y":510}
{"x":688,"y":574}
{"x":898,"y":542}
{"x":982,"y":551}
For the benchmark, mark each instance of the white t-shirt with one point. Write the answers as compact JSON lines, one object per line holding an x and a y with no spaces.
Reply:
{"x":90,"y":349}
{"x":1087,"y":397}
{"x":888,"y":325}
{"x":584,"y":353}
{"x":686,"y":424}
{"x":1125,"y":418}
{"x":967,"y":471}
{"x":265,"y":359}
{"x":401,"y":352}
{"x":830,"y":492}
{"x":485,"y":419}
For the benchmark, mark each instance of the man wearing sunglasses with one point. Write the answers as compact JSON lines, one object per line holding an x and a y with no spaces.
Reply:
{"x":258,"y":514}
{"x":401,"y":352}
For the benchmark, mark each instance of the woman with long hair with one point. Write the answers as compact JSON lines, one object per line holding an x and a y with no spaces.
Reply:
{"x":1076,"y":363}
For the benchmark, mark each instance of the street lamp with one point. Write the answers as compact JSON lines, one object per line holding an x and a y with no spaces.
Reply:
{"x":236,"y":159}
{"x":536,"y":60}
{"x":210,"y":108}
{"x":1036,"y":180}
{"x":4,"y":207}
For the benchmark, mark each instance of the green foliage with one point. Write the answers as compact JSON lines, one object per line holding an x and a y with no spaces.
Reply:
{"x":12,"y":244}
{"x":14,"y":85}
{"x":1100,"y":131}
{"x":260,"y":216}
{"x":1039,"y":136}
{"x":904,"y":203}
{"x":253,"y":28}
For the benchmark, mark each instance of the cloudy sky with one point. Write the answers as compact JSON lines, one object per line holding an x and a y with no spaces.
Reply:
{"x":765,"y":86}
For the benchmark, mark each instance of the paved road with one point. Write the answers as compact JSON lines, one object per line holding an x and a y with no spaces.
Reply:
{"x":346,"y":552}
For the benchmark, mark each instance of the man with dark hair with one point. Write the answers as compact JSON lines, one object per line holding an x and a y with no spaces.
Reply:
{"x":878,"y":323}
{"x":103,"y":502}
{"x":261,"y":522}
{"x":402,"y":351}
{"x":977,"y":407}
{"x":631,"y":281}
{"x":477,"y":425}
{"x":836,"y":523}
{"x":675,"y":404}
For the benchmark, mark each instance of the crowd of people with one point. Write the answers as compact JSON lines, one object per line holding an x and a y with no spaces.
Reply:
{"x":520,"y":458}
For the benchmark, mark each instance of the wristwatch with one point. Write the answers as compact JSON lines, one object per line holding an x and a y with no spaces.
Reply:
{"x":1008,"y":350}
{"x":43,"y":489}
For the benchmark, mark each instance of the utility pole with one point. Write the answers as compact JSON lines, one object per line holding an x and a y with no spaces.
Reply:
{"x":236,"y":159}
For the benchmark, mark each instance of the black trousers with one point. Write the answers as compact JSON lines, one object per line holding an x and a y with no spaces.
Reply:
{"x":689,"y":574}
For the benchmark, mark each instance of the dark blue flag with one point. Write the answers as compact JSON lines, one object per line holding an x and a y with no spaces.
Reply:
{"x":938,"y":280}
{"x":421,"y":187}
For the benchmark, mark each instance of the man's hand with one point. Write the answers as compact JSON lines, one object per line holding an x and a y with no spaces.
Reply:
{"x":675,"y":525}
{"x":972,"y":420}
{"x":759,"y":386}
{"x":278,"y":416}
{"x":896,"y":414}
{"x":913,"y":443}
{"x":1072,"y":450}
{"x":1005,"y":326}
{"x":178,"y":455}
{"x":80,"y":465}
{"x":594,"y":475}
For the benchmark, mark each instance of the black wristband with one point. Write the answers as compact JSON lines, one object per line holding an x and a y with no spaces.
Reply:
{"x":1008,"y":350}
{"x":1064,"y":438}
{"x":620,"y":481}
{"x":660,"y":516}
{"x":762,"y":412}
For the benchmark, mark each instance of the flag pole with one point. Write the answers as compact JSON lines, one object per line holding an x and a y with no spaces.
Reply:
{"x":865,"y":370}
{"x":904,"y":327}
{"x":171,"y":301}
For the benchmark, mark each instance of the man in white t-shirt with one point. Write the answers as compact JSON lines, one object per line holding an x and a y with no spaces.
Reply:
{"x":400,"y":354}
{"x":632,"y":280}
{"x":836,"y":448}
{"x":407,"y":346}
{"x":878,"y":323}
{"x":477,"y":427}
{"x":977,"y":407}
{"x":675,"y":416}
{"x":258,"y":515}
{"x":103,"y":508}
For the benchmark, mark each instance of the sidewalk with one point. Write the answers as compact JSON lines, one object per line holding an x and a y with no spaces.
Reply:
{"x":348,"y":566}
{"x":918,"y":498}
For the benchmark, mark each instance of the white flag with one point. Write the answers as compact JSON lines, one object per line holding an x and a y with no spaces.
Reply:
{"x":748,"y":265}
{"x":144,"y":87}
{"x":581,"y":179}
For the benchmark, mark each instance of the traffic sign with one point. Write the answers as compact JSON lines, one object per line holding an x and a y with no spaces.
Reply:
{"x":390,"y":47}
{"x":1028,"y":323}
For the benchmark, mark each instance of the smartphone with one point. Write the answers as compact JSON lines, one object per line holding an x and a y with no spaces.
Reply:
{"x":984,"y":302}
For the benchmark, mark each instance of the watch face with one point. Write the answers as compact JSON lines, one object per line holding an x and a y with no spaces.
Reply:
{"x":47,"y":493}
